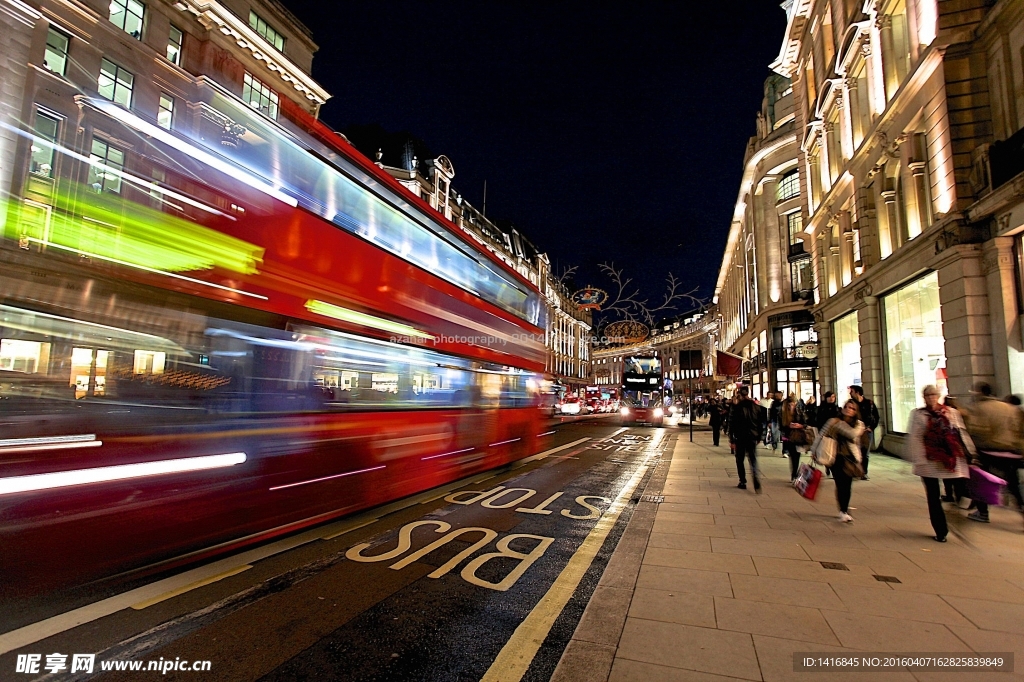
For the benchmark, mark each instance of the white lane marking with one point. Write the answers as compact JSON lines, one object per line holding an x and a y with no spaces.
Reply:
{"x":547,"y":453}
{"x":515,"y":657}
{"x":120,"y":472}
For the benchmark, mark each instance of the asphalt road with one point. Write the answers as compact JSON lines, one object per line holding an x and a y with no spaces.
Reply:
{"x":485,"y":579}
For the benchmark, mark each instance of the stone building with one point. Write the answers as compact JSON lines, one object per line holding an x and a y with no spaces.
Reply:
{"x":765,"y":285}
{"x":568,"y":336}
{"x":909,"y":126}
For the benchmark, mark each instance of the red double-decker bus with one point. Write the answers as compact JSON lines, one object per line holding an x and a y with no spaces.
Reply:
{"x":234,"y":330}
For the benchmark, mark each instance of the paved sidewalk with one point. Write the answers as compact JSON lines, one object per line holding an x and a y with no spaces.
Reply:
{"x":717,"y":583}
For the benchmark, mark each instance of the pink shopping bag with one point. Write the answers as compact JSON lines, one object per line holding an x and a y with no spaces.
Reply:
{"x":984,"y":487}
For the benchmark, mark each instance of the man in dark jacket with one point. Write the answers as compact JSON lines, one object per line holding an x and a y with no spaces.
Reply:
{"x":868,"y":415}
{"x":715,"y":421}
{"x":745,"y":419}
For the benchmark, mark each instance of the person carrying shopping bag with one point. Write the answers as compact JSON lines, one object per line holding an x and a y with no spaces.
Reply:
{"x":791,"y":421}
{"x":847,"y":430}
{"x":997,"y":429}
{"x":939,"y":447}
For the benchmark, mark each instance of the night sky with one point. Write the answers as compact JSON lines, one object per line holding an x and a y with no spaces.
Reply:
{"x":605,"y":131}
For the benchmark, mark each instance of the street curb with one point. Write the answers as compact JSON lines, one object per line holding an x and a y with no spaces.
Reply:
{"x":591,"y":651}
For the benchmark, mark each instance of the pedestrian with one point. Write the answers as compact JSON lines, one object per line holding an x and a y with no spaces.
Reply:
{"x":939,"y":447}
{"x":827,"y":410}
{"x":811,"y":411}
{"x":791,"y":421}
{"x":869,"y":416}
{"x":774,"y":412}
{"x":997,"y":429}
{"x":715,"y":421}
{"x":745,"y":430}
{"x":847,"y":430}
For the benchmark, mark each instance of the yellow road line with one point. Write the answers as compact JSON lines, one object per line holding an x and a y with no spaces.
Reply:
{"x":515,"y":657}
{"x":191,"y":586}
{"x":349,"y":529}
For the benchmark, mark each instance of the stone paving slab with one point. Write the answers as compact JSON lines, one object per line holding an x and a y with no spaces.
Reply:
{"x":726,"y":584}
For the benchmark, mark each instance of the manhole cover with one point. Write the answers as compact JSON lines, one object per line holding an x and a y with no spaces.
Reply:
{"x":833,"y":566}
{"x":656,"y":499}
{"x":887,"y":579}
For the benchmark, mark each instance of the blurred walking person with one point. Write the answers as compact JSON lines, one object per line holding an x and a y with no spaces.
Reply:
{"x":869,"y":417}
{"x":715,"y":420}
{"x":997,"y":429}
{"x":847,"y":430}
{"x":791,"y":421}
{"x":745,"y":431}
{"x":940,"y":449}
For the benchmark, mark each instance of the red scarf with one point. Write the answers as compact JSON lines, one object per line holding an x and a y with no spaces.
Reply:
{"x":941,"y":438}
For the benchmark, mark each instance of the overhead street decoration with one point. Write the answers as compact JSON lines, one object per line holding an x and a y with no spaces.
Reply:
{"x":590,"y":298}
{"x":626,"y":331}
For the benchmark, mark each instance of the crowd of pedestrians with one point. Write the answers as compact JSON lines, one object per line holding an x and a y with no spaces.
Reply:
{"x":961,"y":450}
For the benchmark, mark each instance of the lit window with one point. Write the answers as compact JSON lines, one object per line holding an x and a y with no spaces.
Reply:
{"x":24,"y":356}
{"x":104,"y":160}
{"x":115,"y":83}
{"x":149,"y":362}
{"x":795,"y":225}
{"x":270,"y":35}
{"x":166,"y":113}
{"x":257,"y":95}
{"x":127,"y":15}
{"x":174,"y":43}
{"x":56,"y":57}
{"x":789,"y":186}
{"x":42,"y":155}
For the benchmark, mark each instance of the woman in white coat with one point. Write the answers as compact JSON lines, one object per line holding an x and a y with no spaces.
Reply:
{"x":940,"y":448}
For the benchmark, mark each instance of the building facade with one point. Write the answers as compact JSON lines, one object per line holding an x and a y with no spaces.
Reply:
{"x":765,"y":285}
{"x":909,"y":122}
{"x":163,"y":63}
{"x":568,"y":336}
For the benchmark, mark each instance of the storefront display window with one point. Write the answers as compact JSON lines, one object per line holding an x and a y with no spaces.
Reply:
{"x":847,"y":344}
{"x":915,"y":346}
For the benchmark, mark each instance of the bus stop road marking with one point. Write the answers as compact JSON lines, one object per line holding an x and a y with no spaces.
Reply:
{"x":515,"y":657}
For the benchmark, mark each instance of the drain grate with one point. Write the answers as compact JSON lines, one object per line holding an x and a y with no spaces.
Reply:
{"x":656,"y":499}
{"x":833,"y":566}
{"x":887,"y":579}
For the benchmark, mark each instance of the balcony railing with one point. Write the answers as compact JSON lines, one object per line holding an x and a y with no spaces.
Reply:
{"x":797,"y":252}
{"x":790,"y":355}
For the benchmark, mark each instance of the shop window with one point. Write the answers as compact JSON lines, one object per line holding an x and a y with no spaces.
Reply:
{"x":106,"y":161}
{"x":127,"y":15}
{"x":257,"y":24}
{"x":56,"y":56}
{"x":115,"y":83}
{"x":28,"y":357}
{"x":174,"y":42}
{"x":41,"y":163}
{"x":257,"y":95}
{"x":846,"y":334}
{"x":149,"y":362}
{"x":89,"y":371}
{"x":915,"y":347}
{"x":166,"y":113}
